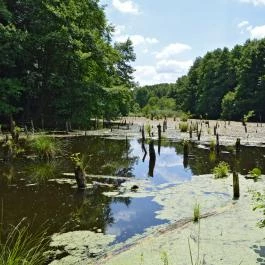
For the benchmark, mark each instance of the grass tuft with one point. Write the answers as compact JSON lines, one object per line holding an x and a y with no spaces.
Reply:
{"x":20,"y":246}
{"x":221,"y":170}
{"x":46,"y":147}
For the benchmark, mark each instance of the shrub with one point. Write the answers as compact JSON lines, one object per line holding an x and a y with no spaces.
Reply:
{"x":183,"y":126}
{"x":221,"y":170}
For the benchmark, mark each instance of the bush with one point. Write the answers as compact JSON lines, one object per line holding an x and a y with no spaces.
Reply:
{"x":183,"y":126}
{"x":221,"y":170}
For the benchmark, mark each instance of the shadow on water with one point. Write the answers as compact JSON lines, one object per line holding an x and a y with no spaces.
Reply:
{"x":27,"y":191}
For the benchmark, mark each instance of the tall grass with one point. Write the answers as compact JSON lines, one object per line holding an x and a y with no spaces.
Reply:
{"x":183,"y":126}
{"x":196,"y":212}
{"x":43,"y":171}
{"x":20,"y":247}
{"x":46,"y":147}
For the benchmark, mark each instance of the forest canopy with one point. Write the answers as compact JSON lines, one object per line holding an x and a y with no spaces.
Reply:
{"x":58,"y":62}
{"x":223,"y":84}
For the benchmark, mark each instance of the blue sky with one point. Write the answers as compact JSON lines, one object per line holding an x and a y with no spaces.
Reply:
{"x":168,"y":35}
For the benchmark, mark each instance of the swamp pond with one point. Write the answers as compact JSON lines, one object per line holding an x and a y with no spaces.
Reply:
{"x":46,"y":193}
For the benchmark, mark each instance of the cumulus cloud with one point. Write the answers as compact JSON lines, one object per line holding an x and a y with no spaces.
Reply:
{"x":172,"y":66}
{"x":254,"y":2}
{"x":243,"y":24}
{"x":255,"y":32}
{"x":164,"y":71}
{"x":172,"y":50}
{"x":137,"y":39}
{"x":128,"y":7}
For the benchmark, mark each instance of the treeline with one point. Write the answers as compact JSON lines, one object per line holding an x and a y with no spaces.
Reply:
{"x":223,"y":84}
{"x":58,"y":63}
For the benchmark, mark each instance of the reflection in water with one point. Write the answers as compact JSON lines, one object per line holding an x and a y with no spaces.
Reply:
{"x":68,"y":209}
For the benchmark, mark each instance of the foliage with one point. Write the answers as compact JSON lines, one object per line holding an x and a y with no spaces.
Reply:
{"x":222,"y":84}
{"x":255,"y":173}
{"x":183,"y":126}
{"x":78,"y":161}
{"x":46,"y":147}
{"x":61,"y":50}
{"x":249,"y":115}
{"x":20,"y":246}
{"x":221,"y":170}
{"x":259,"y":199}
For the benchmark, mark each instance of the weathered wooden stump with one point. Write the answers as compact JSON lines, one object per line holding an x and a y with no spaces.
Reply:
{"x":236,"y":185}
{"x":80,"y":177}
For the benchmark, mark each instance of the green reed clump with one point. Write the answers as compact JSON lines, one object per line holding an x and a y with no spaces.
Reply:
{"x":196,"y":212}
{"x":221,"y":170}
{"x":148,"y":129}
{"x":183,"y":126}
{"x":255,"y":173}
{"x":21,"y":247}
{"x":46,"y":147}
{"x":43,"y":171}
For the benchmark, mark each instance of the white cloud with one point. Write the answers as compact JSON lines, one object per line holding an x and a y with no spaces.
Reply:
{"x":172,"y":50}
{"x":243,"y":24}
{"x":254,"y":2}
{"x":126,"y":6}
{"x":164,"y":71}
{"x":257,"y":32}
{"x":137,"y":39}
{"x":172,"y":66}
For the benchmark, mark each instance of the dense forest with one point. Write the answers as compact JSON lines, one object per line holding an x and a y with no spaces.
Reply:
{"x":223,"y":84}
{"x":58,"y":63}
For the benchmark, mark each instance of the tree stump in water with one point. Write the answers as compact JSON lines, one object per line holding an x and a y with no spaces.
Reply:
{"x":152,"y":160}
{"x":238,"y":145}
{"x":236,"y":185}
{"x":80,"y":177}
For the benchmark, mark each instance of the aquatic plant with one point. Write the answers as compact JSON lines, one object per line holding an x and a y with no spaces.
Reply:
{"x":43,"y":171}
{"x":148,"y":129}
{"x":196,"y":212}
{"x":255,"y":173}
{"x":183,"y":126}
{"x":164,"y":258}
{"x":79,"y":161}
{"x":259,"y":200}
{"x":184,"y":117}
{"x":221,"y":170}
{"x":20,"y":246}
{"x":46,"y":147}
{"x":212,"y":144}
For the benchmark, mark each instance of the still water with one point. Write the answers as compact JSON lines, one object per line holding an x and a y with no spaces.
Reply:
{"x":26,"y":191}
